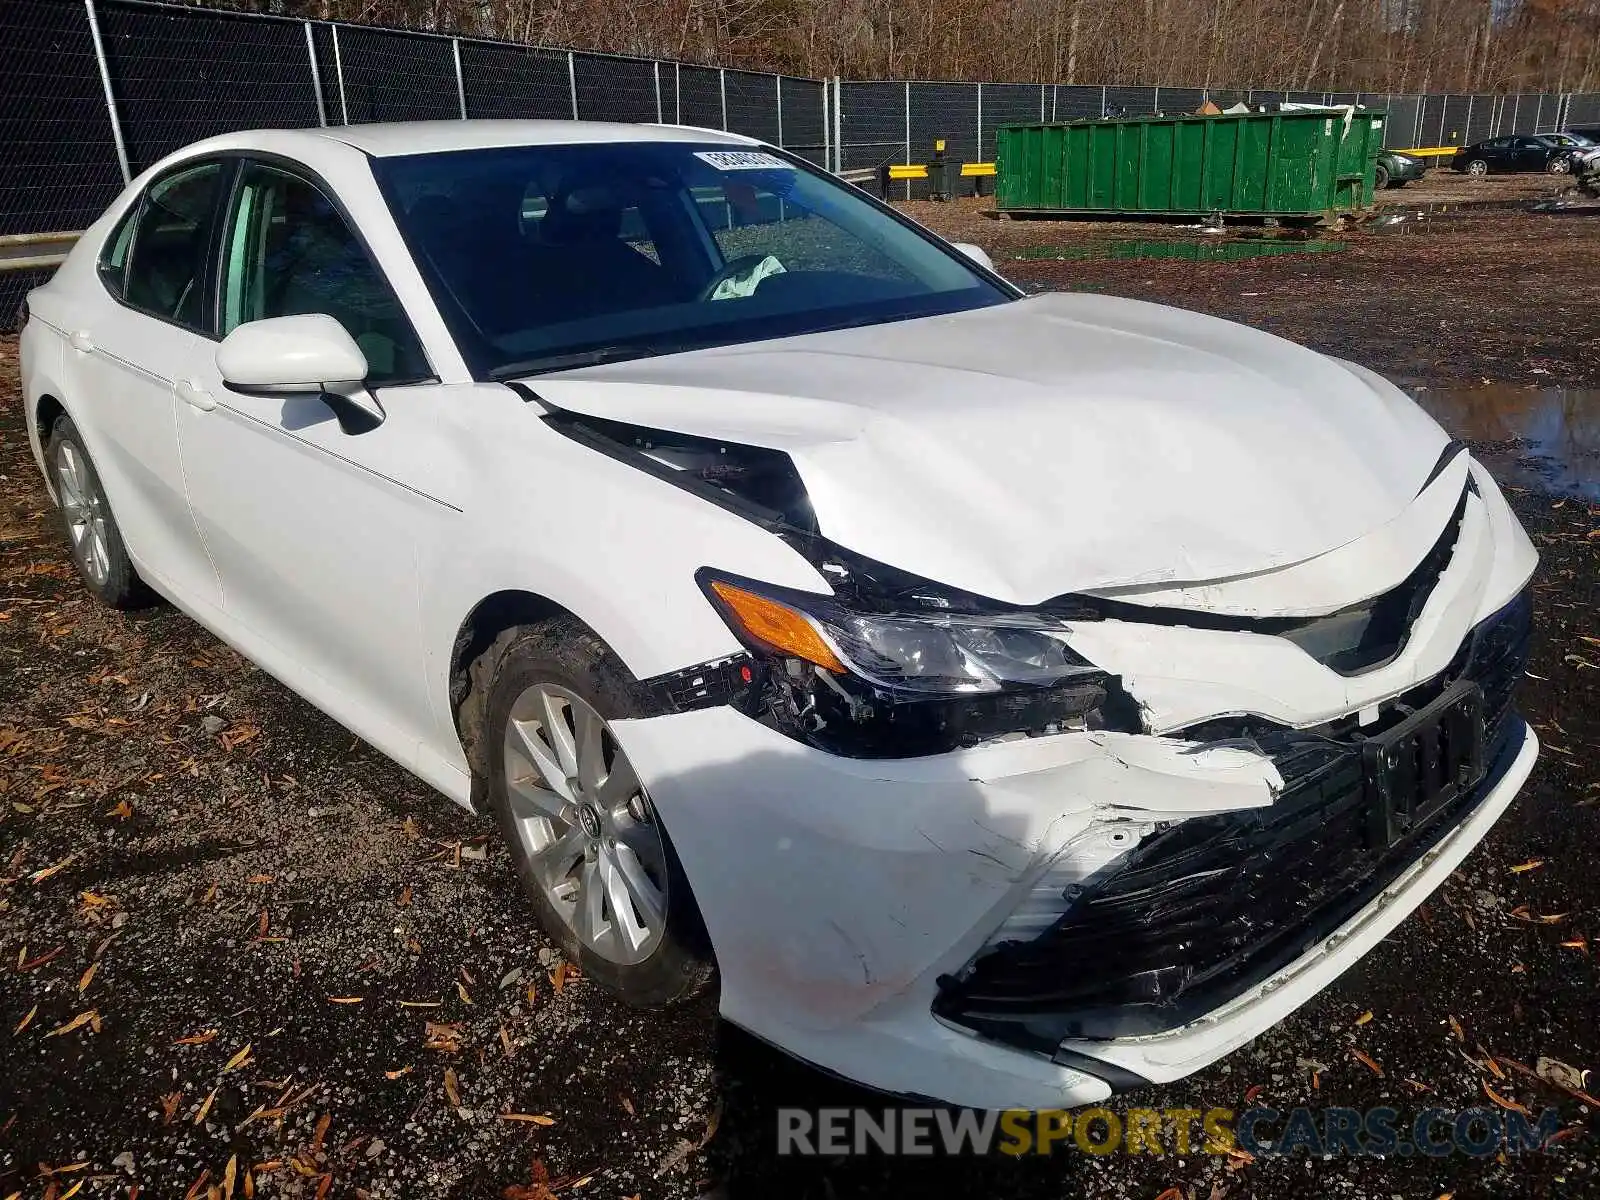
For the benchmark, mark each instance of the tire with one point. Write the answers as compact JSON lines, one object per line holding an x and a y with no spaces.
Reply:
{"x":1478,"y":167}
{"x":1560,"y":166}
{"x":1380,"y":177}
{"x":95,"y":541}
{"x":563,"y":662}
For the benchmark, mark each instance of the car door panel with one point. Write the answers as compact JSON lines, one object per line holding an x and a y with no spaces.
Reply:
{"x":315,"y":531}
{"x":119,"y":364}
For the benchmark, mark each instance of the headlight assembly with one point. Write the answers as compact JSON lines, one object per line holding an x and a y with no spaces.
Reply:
{"x":907,"y":683}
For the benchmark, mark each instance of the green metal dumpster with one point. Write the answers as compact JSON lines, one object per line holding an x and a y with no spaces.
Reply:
{"x":1312,"y":165}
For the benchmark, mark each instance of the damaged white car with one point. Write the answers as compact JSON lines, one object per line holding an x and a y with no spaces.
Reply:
{"x":1013,"y":699}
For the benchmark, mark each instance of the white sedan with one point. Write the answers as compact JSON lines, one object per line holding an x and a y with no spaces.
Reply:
{"x":1012,"y":700}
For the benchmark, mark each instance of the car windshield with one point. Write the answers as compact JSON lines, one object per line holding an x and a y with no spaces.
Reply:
{"x":1579,"y":139}
{"x":549,"y":257}
{"x":1557,"y":139}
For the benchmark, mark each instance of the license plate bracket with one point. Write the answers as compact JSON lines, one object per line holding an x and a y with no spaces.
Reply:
{"x":1424,"y":763}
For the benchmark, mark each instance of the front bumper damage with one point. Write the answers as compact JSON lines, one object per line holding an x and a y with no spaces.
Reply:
{"x":985,"y":926}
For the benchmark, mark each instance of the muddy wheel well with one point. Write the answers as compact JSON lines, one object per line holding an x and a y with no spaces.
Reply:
{"x":48,"y":409}
{"x":470,"y":668}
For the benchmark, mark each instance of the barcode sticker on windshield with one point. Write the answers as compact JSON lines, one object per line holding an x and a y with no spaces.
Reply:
{"x":743,"y":160}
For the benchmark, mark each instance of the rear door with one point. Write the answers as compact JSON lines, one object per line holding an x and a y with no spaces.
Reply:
{"x":1529,"y":154}
{"x":129,"y":346}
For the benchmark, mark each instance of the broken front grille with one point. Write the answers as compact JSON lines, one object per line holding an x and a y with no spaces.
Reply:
{"x":1206,"y":908}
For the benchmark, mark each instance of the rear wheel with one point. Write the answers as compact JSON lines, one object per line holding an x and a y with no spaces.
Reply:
{"x":590,"y":851}
{"x":1477,"y":167}
{"x":96,"y":543}
{"x":1380,"y":177}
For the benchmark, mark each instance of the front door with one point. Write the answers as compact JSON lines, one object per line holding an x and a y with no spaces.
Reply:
{"x":315,"y":531}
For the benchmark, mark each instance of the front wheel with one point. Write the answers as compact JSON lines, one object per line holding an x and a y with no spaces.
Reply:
{"x":1380,"y":177}
{"x":1477,"y":167}
{"x":590,"y":851}
{"x":98,"y":550}
{"x":1560,"y":166}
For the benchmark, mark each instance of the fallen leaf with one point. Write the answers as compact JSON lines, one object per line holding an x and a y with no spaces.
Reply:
{"x":198,"y":1185}
{"x":169,"y":1106}
{"x":558,"y":977}
{"x":197,"y":1039}
{"x":122,"y":811}
{"x":321,"y":1132}
{"x":1455,"y":1028}
{"x":406,"y":1070}
{"x":446,"y":1038}
{"x":39,"y":961}
{"x":1368,"y":1062}
{"x":530,"y":1118}
{"x":88,"y":977}
{"x":26,"y":1021}
{"x":1489,"y":1062}
{"x":505,"y":1042}
{"x":205,"y":1107}
{"x":461,"y":988}
{"x":229,"y":1173}
{"x":1563,"y":1075}
{"x":405,"y":897}
{"x":77,"y":1022}
{"x":1364,"y":1017}
{"x":1172,"y":1193}
{"x":451,"y":1088}
{"x":1533,"y":864}
{"x":259,"y":879}
{"x":238,"y":1060}
{"x":1512,"y":1105}
{"x":345,"y":999}
{"x":41,"y":875}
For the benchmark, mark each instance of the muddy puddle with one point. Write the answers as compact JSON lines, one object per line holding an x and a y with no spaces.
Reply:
{"x":1185,"y":249}
{"x":1544,"y":438}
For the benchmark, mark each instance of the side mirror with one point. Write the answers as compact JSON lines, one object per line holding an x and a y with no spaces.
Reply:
{"x":307,"y":353}
{"x":975,"y":253}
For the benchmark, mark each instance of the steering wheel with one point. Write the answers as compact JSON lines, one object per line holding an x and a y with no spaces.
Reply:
{"x":732,"y":269}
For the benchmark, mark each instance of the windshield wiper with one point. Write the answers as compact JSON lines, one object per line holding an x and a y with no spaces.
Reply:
{"x":574,"y":358}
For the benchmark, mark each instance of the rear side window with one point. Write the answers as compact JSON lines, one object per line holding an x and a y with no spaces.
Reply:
{"x":114,"y":255}
{"x":288,"y":251}
{"x":165,"y":271}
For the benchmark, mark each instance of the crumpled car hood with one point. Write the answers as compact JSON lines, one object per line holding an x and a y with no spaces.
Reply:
{"x":1062,"y":443}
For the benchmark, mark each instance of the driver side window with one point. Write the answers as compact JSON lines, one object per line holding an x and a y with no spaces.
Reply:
{"x":288,"y":251}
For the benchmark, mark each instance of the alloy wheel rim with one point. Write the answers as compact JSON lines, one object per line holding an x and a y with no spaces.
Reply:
{"x":85,"y":512}
{"x":585,"y":825}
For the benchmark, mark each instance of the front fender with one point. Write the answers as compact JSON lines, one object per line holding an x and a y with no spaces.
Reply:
{"x":616,"y":547}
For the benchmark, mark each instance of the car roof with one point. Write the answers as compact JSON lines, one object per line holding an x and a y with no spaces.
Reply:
{"x":429,"y":137}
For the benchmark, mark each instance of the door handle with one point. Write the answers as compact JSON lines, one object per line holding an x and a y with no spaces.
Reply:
{"x":195,"y":396}
{"x":81,"y":341}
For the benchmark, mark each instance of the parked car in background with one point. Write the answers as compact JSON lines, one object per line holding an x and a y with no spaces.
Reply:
{"x":1396,"y":170}
{"x":1016,"y":698}
{"x":1554,"y":153}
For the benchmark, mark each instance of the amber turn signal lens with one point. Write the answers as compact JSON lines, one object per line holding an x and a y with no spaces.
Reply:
{"x":777,"y":626}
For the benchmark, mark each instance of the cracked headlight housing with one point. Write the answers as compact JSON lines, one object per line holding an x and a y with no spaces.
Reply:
{"x":893,"y":683}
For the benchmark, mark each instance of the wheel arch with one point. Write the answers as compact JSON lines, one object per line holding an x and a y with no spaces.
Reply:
{"x":488,"y":619}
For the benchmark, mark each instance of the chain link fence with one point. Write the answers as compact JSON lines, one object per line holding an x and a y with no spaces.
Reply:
{"x":94,"y":91}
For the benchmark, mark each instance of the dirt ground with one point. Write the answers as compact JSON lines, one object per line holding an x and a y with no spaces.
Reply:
{"x":241,"y":953}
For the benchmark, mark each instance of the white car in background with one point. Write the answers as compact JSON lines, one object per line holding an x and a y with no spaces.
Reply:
{"x":1015,"y":699}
